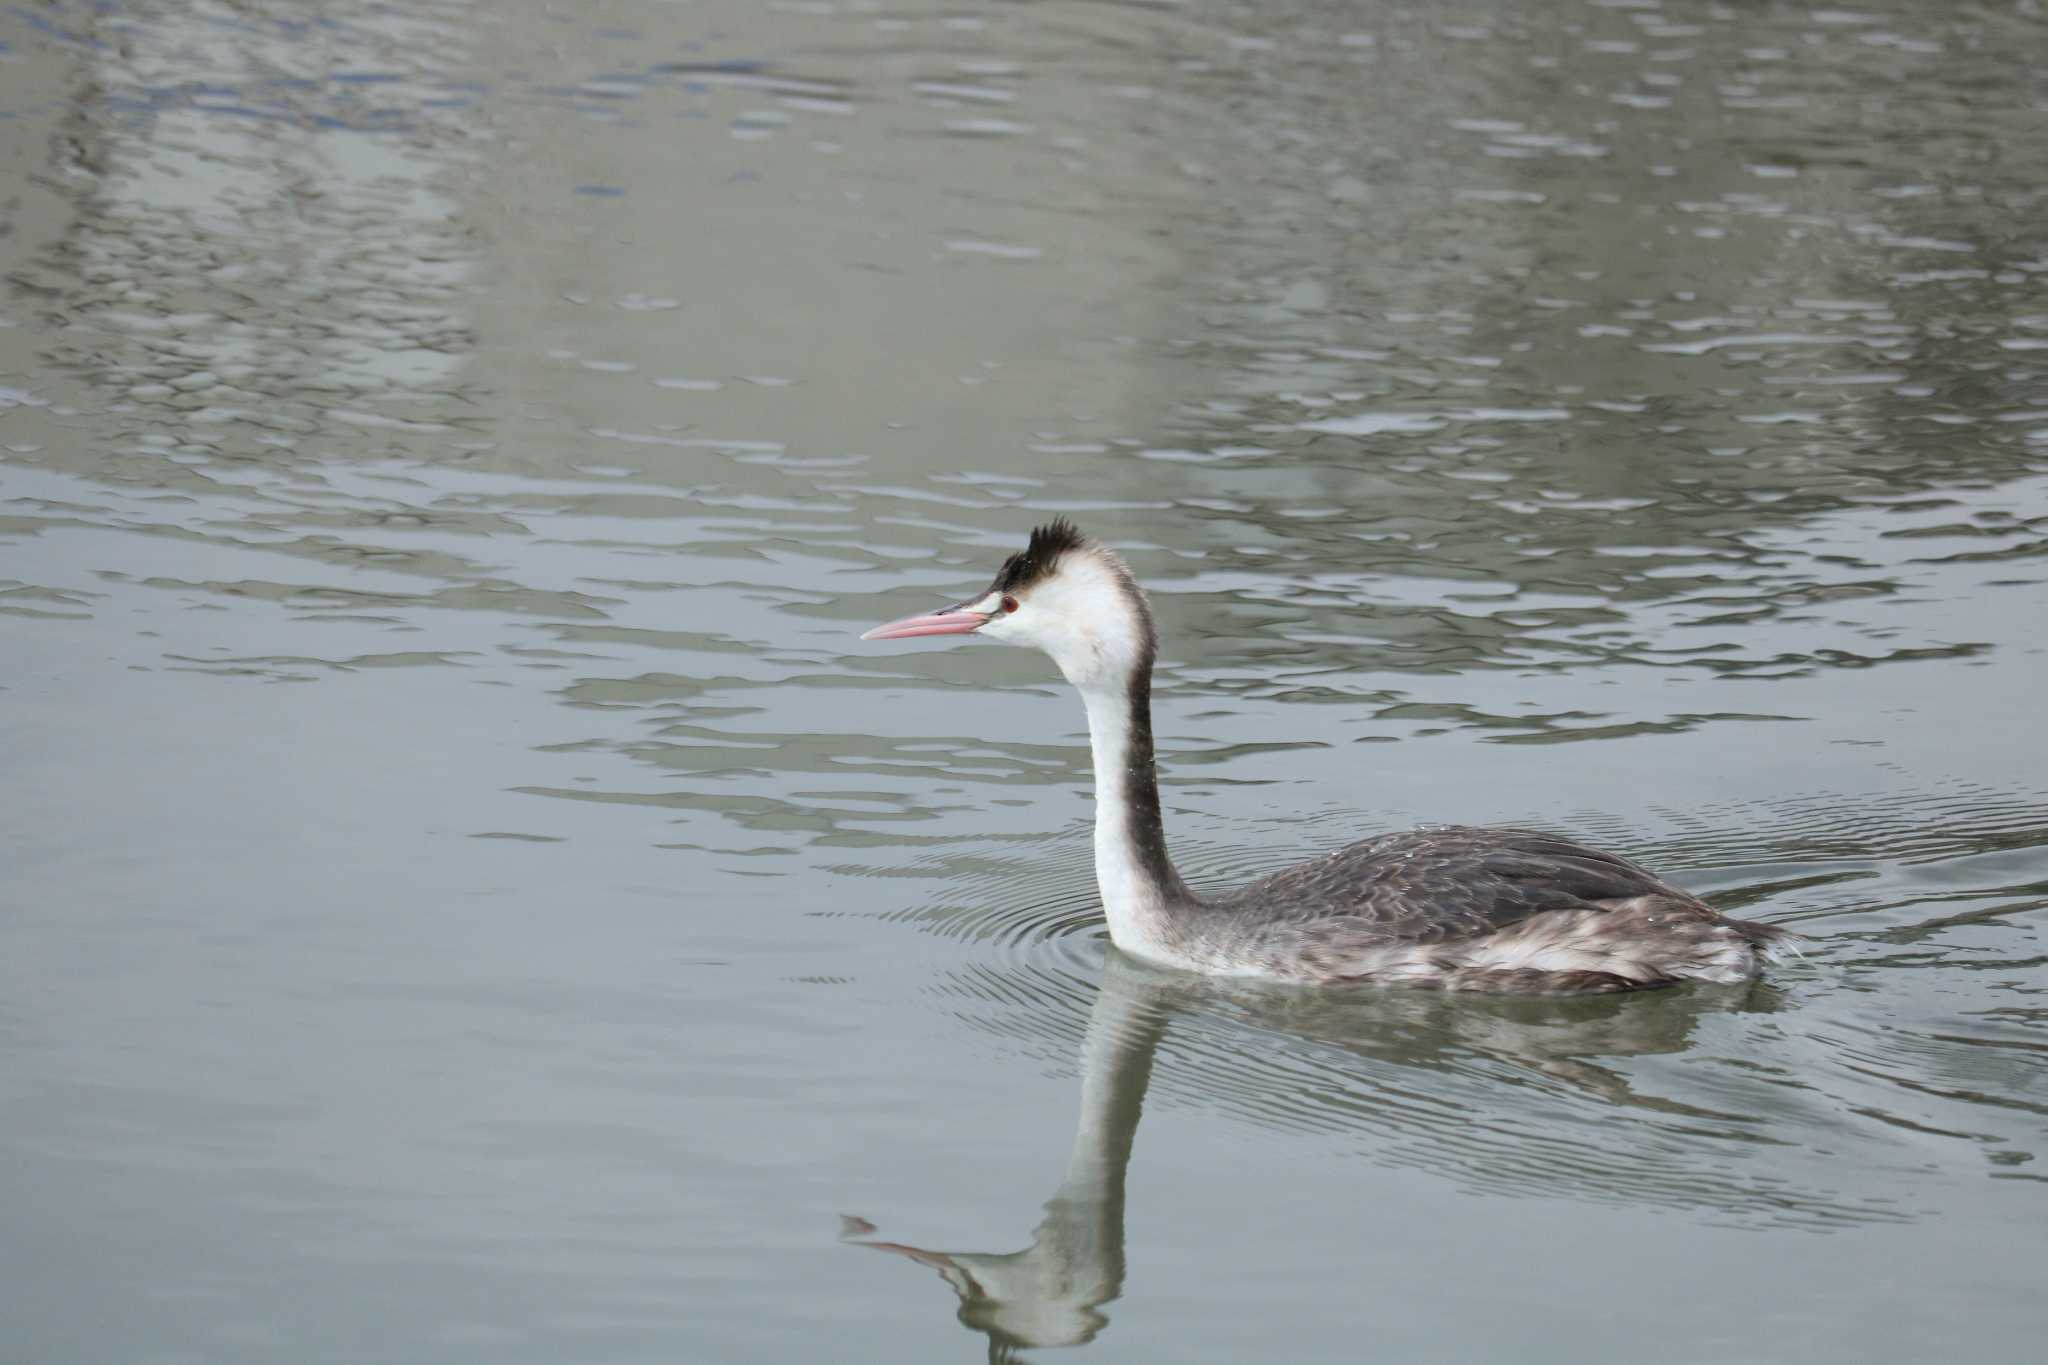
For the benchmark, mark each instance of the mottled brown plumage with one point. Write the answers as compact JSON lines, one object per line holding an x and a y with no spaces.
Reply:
{"x":1467,"y":908}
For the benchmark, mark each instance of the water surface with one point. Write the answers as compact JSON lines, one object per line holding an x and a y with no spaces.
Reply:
{"x":471,"y":897}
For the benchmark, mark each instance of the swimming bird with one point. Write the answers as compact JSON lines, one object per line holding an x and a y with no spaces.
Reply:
{"x":1450,"y":906}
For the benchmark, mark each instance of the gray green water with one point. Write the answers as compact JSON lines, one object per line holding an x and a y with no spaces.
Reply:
{"x":468,"y":896}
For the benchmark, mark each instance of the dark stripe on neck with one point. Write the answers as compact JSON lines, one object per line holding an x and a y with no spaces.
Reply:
{"x":1146,"y":828}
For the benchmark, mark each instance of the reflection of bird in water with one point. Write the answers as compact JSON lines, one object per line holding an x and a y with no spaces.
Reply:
{"x":1052,"y":1292}
{"x":1461,"y":908}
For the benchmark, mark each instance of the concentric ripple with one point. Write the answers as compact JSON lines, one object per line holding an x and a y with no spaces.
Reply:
{"x":1720,"y":1099}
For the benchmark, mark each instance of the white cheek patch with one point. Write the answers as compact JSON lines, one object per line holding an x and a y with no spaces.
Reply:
{"x":1081,"y":615}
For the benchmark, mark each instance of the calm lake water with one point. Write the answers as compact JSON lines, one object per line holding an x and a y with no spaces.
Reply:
{"x":469,"y":896}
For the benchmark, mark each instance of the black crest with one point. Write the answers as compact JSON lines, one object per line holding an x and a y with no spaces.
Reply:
{"x":1037,"y":559}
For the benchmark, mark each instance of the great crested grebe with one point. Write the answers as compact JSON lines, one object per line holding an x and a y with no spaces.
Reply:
{"x":1449,"y":906}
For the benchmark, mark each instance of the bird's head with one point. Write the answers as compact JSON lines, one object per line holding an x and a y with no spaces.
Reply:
{"x":1063,"y":593}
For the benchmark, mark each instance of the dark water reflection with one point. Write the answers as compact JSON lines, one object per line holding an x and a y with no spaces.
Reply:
{"x":445,"y":453}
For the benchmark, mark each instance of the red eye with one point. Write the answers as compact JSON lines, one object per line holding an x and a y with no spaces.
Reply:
{"x":1009,"y":605}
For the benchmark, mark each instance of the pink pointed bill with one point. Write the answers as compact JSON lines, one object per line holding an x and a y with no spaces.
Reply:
{"x":952,"y":621}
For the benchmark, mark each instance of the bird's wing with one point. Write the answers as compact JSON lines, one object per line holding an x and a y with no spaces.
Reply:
{"x":1429,"y":885}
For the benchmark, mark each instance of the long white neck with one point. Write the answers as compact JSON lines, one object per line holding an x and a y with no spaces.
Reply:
{"x":1139,"y":886}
